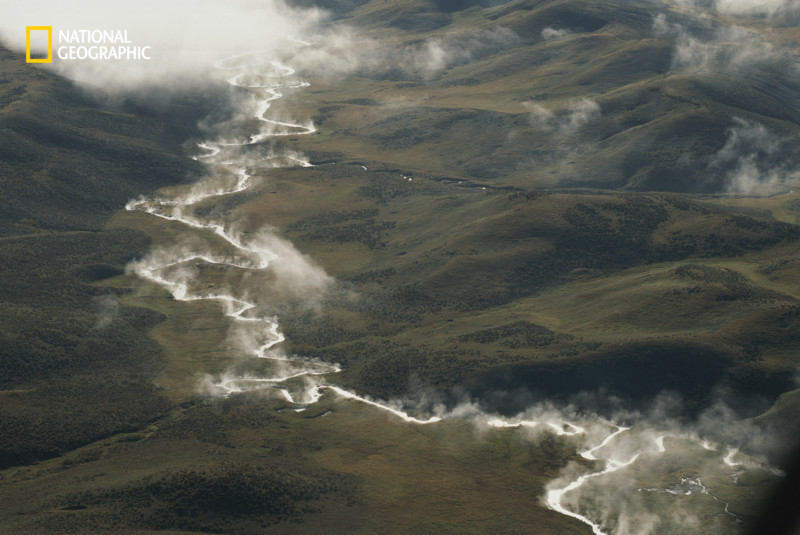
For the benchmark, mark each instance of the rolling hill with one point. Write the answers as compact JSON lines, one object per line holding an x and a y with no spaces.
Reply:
{"x":558,"y":203}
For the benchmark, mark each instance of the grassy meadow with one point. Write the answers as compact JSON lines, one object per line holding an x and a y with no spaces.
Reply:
{"x":488,"y":237}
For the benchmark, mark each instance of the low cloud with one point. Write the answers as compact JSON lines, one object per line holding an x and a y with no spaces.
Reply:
{"x":189,"y":42}
{"x":743,"y":8}
{"x":333,"y":51}
{"x":731,"y":49}
{"x":754,"y":160}
{"x":554,"y":33}
{"x":768,"y":8}
{"x":565,"y":122}
{"x":441,"y":52}
{"x":703,"y":45}
{"x":660,"y":24}
{"x":186,"y":38}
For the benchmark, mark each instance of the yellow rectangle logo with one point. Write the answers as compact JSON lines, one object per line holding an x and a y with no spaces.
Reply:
{"x":49,"y":30}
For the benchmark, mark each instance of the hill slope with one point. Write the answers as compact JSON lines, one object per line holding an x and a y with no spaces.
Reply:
{"x":511,"y":197}
{"x":570,"y":93}
{"x":67,"y":162}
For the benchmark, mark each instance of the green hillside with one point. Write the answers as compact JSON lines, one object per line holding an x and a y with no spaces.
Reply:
{"x":561,"y":204}
{"x":68,"y":161}
{"x":502,"y":101}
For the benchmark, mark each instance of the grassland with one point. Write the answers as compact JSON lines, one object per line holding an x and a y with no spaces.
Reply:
{"x":470,"y":118}
{"x":68,"y":161}
{"x":477,"y":255}
{"x":334,"y":476}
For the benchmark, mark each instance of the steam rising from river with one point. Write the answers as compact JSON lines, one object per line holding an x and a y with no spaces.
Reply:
{"x":623,"y":479}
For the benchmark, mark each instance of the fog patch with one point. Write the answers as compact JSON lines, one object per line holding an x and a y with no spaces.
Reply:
{"x":333,"y":51}
{"x":660,"y":24}
{"x":646,"y":465}
{"x":549,"y":34}
{"x":704,"y":47}
{"x":769,"y":8}
{"x":185,"y":37}
{"x":732,"y":49}
{"x":423,"y":59}
{"x":107,"y":311}
{"x":754,"y":160}
{"x":645,"y":471}
{"x":565,"y":122}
